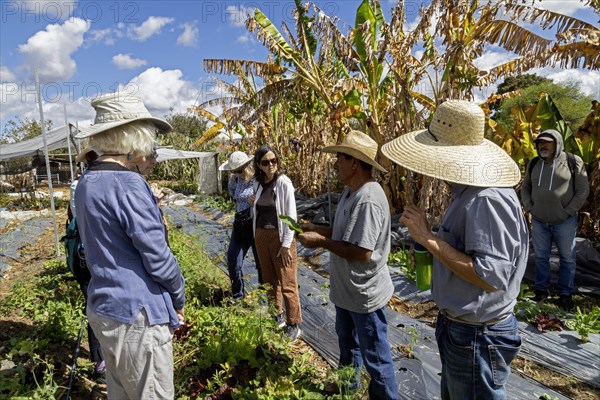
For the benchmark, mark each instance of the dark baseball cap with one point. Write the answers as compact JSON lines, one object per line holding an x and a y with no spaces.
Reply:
{"x":545,"y":137}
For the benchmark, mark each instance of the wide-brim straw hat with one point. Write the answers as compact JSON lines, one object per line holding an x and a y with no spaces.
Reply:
{"x":116,"y":109}
{"x":358,"y":145}
{"x":454,"y":149}
{"x":237,"y":160}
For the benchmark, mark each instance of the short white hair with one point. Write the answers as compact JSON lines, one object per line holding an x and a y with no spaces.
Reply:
{"x":136,"y":137}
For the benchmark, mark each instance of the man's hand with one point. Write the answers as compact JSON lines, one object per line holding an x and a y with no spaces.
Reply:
{"x":310,"y":239}
{"x":415,"y":221}
{"x":308,"y":227}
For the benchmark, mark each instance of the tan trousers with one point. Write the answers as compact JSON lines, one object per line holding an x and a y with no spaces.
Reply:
{"x":139,"y":357}
{"x":283,"y":280}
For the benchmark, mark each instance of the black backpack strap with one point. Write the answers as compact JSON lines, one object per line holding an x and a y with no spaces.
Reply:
{"x":532,"y":163}
{"x":572,"y":164}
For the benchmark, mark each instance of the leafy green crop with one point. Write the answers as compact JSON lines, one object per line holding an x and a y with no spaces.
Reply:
{"x":291,"y":222}
{"x":585,"y":323}
{"x":401,"y":258}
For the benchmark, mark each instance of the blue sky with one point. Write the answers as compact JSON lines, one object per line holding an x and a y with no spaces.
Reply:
{"x":155,"y":49}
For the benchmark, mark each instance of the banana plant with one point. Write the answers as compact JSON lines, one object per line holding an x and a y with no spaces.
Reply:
{"x":588,"y":136}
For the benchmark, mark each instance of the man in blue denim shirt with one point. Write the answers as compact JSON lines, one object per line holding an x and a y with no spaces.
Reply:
{"x":480,"y":250}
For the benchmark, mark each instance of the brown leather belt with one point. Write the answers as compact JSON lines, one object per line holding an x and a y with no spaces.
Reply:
{"x":488,"y":323}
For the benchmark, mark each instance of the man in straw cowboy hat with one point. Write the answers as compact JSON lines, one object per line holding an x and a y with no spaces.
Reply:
{"x":359,"y":242}
{"x":480,"y":250}
{"x":136,"y":292}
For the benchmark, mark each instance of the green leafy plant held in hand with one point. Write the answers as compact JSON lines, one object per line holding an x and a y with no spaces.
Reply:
{"x":291,"y":222}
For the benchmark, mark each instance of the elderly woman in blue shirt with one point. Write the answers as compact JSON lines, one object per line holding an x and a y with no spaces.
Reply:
{"x":136,"y":292}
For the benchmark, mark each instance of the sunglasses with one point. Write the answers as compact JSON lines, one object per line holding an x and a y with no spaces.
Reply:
{"x":154,"y":153}
{"x":265,"y":163}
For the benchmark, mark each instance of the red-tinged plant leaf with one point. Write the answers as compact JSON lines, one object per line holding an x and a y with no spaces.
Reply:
{"x":224,"y":393}
{"x":182,"y":332}
{"x":546,"y":322}
{"x":196,"y":387}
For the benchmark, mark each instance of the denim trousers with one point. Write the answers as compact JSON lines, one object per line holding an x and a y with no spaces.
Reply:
{"x":235,"y":259}
{"x":563,"y":235}
{"x":476,"y":358}
{"x":363,"y":340}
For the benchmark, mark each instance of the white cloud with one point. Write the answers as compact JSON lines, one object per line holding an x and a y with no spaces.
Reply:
{"x":148,"y":28}
{"x":567,"y":7}
{"x":125,"y":61}
{"x":6,"y":74}
{"x":245,"y":38}
{"x":102,"y":35}
{"x":237,"y":15}
{"x":52,"y":48}
{"x":491,"y":59}
{"x":162,"y":90}
{"x":13,"y":102}
{"x":108,"y":36}
{"x":587,"y":81}
{"x":189,"y":37}
{"x":20,"y":100}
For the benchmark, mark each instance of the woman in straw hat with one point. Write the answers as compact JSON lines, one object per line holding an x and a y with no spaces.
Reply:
{"x":361,"y":286}
{"x":275,"y":242}
{"x":136,"y":293}
{"x":480,"y":251}
{"x":241,"y":188}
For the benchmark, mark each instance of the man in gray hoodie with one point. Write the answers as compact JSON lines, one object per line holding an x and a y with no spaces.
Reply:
{"x":554,"y":194}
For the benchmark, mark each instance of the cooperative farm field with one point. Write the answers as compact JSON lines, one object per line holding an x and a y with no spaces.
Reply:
{"x":226,"y":350}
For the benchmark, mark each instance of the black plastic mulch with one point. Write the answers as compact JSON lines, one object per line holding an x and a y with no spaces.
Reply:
{"x":418,"y":377}
{"x":24,"y":233}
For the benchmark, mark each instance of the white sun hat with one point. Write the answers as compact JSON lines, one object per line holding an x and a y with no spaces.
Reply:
{"x":237,"y":160}
{"x":358,"y":145}
{"x":453,"y":149}
{"x":116,"y":109}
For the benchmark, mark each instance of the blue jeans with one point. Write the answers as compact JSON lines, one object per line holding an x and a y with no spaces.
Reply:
{"x":363,"y":338}
{"x":563,"y":234}
{"x":235,"y":259}
{"x":476,"y":358}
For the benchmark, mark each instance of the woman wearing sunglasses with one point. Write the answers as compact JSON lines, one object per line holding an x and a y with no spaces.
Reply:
{"x":275,"y":242}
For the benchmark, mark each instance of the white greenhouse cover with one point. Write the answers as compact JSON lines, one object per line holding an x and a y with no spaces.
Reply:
{"x":56,"y":139}
{"x":165,"y":154}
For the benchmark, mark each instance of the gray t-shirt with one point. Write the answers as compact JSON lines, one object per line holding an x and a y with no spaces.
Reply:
{"x":362,"y":218}
{"x":488,"y":225}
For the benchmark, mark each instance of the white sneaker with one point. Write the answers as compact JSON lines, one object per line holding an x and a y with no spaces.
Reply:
{"x":280,"y":320}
